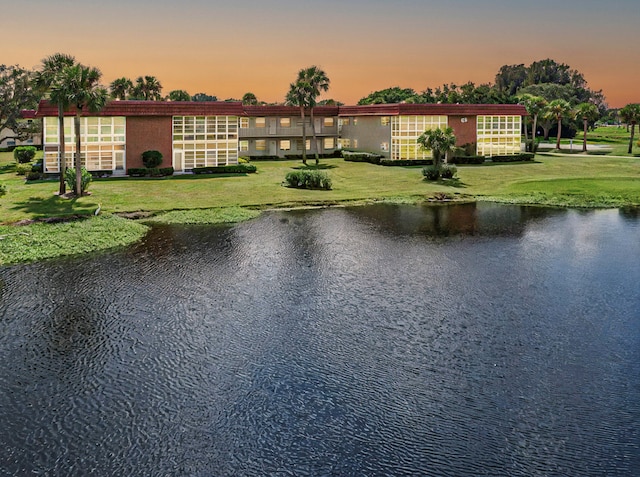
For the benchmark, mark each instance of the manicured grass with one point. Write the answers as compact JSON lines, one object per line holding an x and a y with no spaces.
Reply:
{"x":204,"y":216}
{"x":594,"y":181}
{"x":40,"y":241}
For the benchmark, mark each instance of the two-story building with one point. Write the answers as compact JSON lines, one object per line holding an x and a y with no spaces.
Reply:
{"x":196,"y":134}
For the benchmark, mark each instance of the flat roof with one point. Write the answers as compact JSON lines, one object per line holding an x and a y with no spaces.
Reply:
{"x":153,"y":108}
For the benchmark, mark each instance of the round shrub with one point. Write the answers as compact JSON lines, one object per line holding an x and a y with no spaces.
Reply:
{"x":151,"y":159}
{"x":448,"y":171}
{"x":24,"y":154}
{"x":431,"y":173}
{"x":22,"y":169}
{"x":3,"y":189}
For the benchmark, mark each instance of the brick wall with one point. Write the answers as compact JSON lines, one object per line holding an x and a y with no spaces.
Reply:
{"x":149,"y":133}
{"x":465,"y":132}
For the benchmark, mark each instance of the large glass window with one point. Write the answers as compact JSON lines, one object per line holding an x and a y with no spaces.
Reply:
{"x":206,"y":140}
{"x":328,"y":122}
{"x":405,"y":131}
{"x":285,"y":145}
{"x":102,"y":141}
{"x":261,"y":123}
{"x":285,"y":122}
{"x":498,"y":135}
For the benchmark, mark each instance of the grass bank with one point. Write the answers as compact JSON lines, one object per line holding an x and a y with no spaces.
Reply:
{"x":593,"y":181}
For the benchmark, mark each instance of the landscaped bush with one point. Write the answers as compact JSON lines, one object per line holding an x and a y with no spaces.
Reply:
{"x":431,"y":173}
{"x":151,"y":159}
{"x":70,"y":179}
{"x":34,"y":176}
{"x":232,"y":169}
{"x":99,"y":174}
{"x":150,"y":172}
{"x":266,"y":158}
{"x":22,"y":169}
{"x":448,"y":171}
{"x":3,"y":189}
{"x":467,"y":160}
{"x":308,"y":180}
{"x":523,"y":156}
{"x":37,"y":166}
{"x":469,"y":148}
{"x":406,"y":162}
{"x":24,"y":154}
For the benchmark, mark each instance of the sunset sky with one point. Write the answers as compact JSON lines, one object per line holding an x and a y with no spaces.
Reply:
{"x":229,"y":48}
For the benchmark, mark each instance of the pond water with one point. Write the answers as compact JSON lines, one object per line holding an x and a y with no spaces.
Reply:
{"x":383,"y":340}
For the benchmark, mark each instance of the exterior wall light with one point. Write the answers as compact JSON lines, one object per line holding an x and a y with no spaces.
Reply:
{"x":463,"y":120}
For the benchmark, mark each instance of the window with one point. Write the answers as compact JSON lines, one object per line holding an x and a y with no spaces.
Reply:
{"x":299,"y":145}
{"x":329,"y":143}
{"x":103,"y":140}
{"x":244,"y":123}
{"x":206,"y":140}
{"x":343,"y":121}
{"x":244,"y":146}
{"x":285,"y":145}
{"x":498,"y":135}
{"x":261,"y":144}
{"x":355,"y":121}
{"x":285,"y":122}
{"x":384,"y":147}
{"x":384,"y":121}
{"x":328,"y":122}
{"x":344,"y":143}
{"x":405,"y":131}
{"x":261,"y":123}
{"x":355,"y":144}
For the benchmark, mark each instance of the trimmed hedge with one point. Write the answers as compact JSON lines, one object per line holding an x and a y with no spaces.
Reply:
{"x":362,"y":157}
{"x":523,"y":156}
{"x":232,"y":169}
{"x":152,"y":172}
{"x":467,"y":160}
{"x":406,"y":162}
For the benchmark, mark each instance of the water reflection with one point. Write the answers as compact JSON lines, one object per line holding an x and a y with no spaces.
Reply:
{"x":385,"y":340}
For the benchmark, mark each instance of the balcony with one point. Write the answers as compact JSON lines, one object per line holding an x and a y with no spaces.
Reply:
{"x":291,"y":132}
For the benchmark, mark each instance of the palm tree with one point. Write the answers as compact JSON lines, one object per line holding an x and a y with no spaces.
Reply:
{"x":440,"y":142}
{"x":534,"y":106}
{"x":120,"y":88}
{"x":179,"y":95}
{"x":558,"y":109}
{"x":630,"y":115}
{"x":79,"y":84}
{"x":587,"y":112}
{"x":249,"y":99}
{"x":318,"y":82}
{"x":298,"y":95}
{"x":44,"y":81}
{"x":147,"y":88}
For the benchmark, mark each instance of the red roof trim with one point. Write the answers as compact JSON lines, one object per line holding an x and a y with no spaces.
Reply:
{"x":220,"y":108}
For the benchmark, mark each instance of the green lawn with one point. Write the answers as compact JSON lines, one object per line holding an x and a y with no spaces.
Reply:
{"x":594,"y":181}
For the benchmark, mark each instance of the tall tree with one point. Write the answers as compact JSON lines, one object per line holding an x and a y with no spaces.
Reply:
{"x":588,"y":112}
{"x":48,"y":79}
{"x":317,"y":82}
{"x":511,"y":78}
{"x":16,"y":94}
{"x":147,"y":88}
{"x":558,"y":109}
{"x":203,"y":97}
{"x":439,"y":141}
{"x":121,"y":88}
{"x":534,"y":106}
{"x":630,"y":115}
{"x":298,"y":95}
{"x":179,"y":95}
{"x":80,"y":85}
{"x":249,"y":99}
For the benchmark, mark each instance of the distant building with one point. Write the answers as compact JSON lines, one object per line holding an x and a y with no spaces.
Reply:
{"x":7,"y":136}
{"x":196,"y":134}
